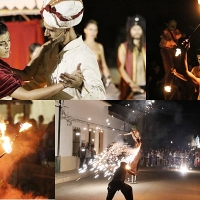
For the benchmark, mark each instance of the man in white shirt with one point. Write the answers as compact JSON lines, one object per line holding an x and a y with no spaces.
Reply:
{"x":63,"y":59}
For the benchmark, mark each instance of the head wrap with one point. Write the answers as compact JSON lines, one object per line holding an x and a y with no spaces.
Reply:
{"x":62,"y":13}
{"x":135,"y":20}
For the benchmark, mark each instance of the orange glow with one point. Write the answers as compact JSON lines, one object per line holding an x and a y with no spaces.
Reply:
{"x":25,"y":126}
{"x":199,"y":2}
{"x":5,"y":140}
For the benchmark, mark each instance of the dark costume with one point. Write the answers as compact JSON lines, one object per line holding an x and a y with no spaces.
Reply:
{"x":9,"y":81}
{"x":117,"y":183}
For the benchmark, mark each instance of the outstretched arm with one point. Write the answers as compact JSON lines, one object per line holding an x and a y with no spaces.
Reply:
{"x":188,"y":74}
{"x":34,"y":64}
{"x":125,"y":134}
{"x":42,"y":93}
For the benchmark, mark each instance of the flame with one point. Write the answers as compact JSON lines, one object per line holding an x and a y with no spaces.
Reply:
{"x":6,"y":144}
{"x":128,"y":166}
{"x":178,"y":52}
{"x":109,"y":160}
{"x":199,"y":2}
{"x":167,"y":88}
{"x":25,"y":126}
{"x":5,"y":140}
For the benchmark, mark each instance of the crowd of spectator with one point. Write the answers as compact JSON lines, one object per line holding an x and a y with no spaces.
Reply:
{"x":170,"y":157}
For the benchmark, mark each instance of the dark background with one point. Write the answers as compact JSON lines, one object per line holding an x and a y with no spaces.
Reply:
{"x":111,"y":16}
{"x":187,"y":15}
{"x":165,"y":121}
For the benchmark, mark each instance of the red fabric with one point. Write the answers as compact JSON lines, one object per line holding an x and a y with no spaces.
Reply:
{"x":123,"y":86}
{"x":9,"y":81}
{"x":22,"y":35}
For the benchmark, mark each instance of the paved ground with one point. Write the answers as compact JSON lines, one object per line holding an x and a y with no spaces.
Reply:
{"x":152,"y":184}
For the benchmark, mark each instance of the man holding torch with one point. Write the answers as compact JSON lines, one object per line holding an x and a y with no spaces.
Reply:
{"x":117,"y":182}
{"x":168,"y":45}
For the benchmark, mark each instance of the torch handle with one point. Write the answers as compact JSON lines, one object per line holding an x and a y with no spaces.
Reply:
{"x":2,"y":154}
{"x":193,"y":33}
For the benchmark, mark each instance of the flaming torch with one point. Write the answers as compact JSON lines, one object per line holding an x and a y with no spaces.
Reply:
{"x":5,"y":140}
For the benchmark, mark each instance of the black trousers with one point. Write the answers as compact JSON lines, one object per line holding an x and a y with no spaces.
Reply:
{"x":126,"y":190}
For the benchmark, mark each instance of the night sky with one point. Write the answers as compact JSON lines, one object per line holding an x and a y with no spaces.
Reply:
{"x":167,"y":120}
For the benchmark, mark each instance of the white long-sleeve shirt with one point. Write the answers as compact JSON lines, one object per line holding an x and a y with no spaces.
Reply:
{"x":55,"y":63}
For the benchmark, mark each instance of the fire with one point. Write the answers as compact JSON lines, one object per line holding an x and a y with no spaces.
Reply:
{"x":5,"y":140}
{"x":178,"y":52}
{"x":167,"y":88}
{"x":128,"y":166}
{"x":109,"y":160}
{"x":7,"y":146}
{"x":25,"y":126}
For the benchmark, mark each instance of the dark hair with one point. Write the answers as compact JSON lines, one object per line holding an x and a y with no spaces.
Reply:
{"x":91,"y":22}
{"x":131,"y":21}
{"x":3,"y":28}
{"x":33,"y":46}
{"x":130,"y":43}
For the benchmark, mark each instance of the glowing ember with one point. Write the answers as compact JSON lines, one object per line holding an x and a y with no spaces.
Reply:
{"x":5,"y":140}
{"x":128,"y":166}
{"x":109,"y":160}
{"x":7,"y":144}
{"x":178,"y":52}
{"x":167,"y":88}
{"x":25,"y":126}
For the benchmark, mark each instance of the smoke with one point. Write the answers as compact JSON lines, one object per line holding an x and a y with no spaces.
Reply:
{"x":26,"y":144}
{"x":8,"y":192}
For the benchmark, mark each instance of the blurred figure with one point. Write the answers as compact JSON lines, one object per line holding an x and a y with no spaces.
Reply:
{"x":91,"y":31}
{"x":132,"y":59}
{"x":191,"y":78}
{"x":33,"y":49}
{"x":82,"y":154}
{"x":155,"y":82}
{"x":93,"y":151}
{"x":168,"y":44}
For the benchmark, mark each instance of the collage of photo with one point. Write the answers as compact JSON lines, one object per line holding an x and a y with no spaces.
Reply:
{"x":99,"y":99}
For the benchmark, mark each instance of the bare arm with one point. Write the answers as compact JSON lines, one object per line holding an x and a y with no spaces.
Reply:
{"x":106,"y":71}
{"x":42,"y":93}
{"x":126,"y":133}
{"x":189,"y":75}
{"x":178,"y":75}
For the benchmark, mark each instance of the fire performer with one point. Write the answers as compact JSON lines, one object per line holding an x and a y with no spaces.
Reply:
{"x":187,"y":75}
{"x":138,"y":142}
{"x":117,"y":183}
{"x":168,"y":44}
{"x":60,"y":16}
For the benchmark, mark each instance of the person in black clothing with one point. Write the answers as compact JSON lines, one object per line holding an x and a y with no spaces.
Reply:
{"x":117,"y":183}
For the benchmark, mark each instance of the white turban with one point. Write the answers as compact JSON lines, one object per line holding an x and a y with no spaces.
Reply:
{"x":62,"y":13}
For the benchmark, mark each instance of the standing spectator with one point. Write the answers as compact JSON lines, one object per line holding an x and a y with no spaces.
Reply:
{"x":93,"y":152}
{"x":82,"y":154}
{"x":88,"y":155}
{"x":132,"y":58}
